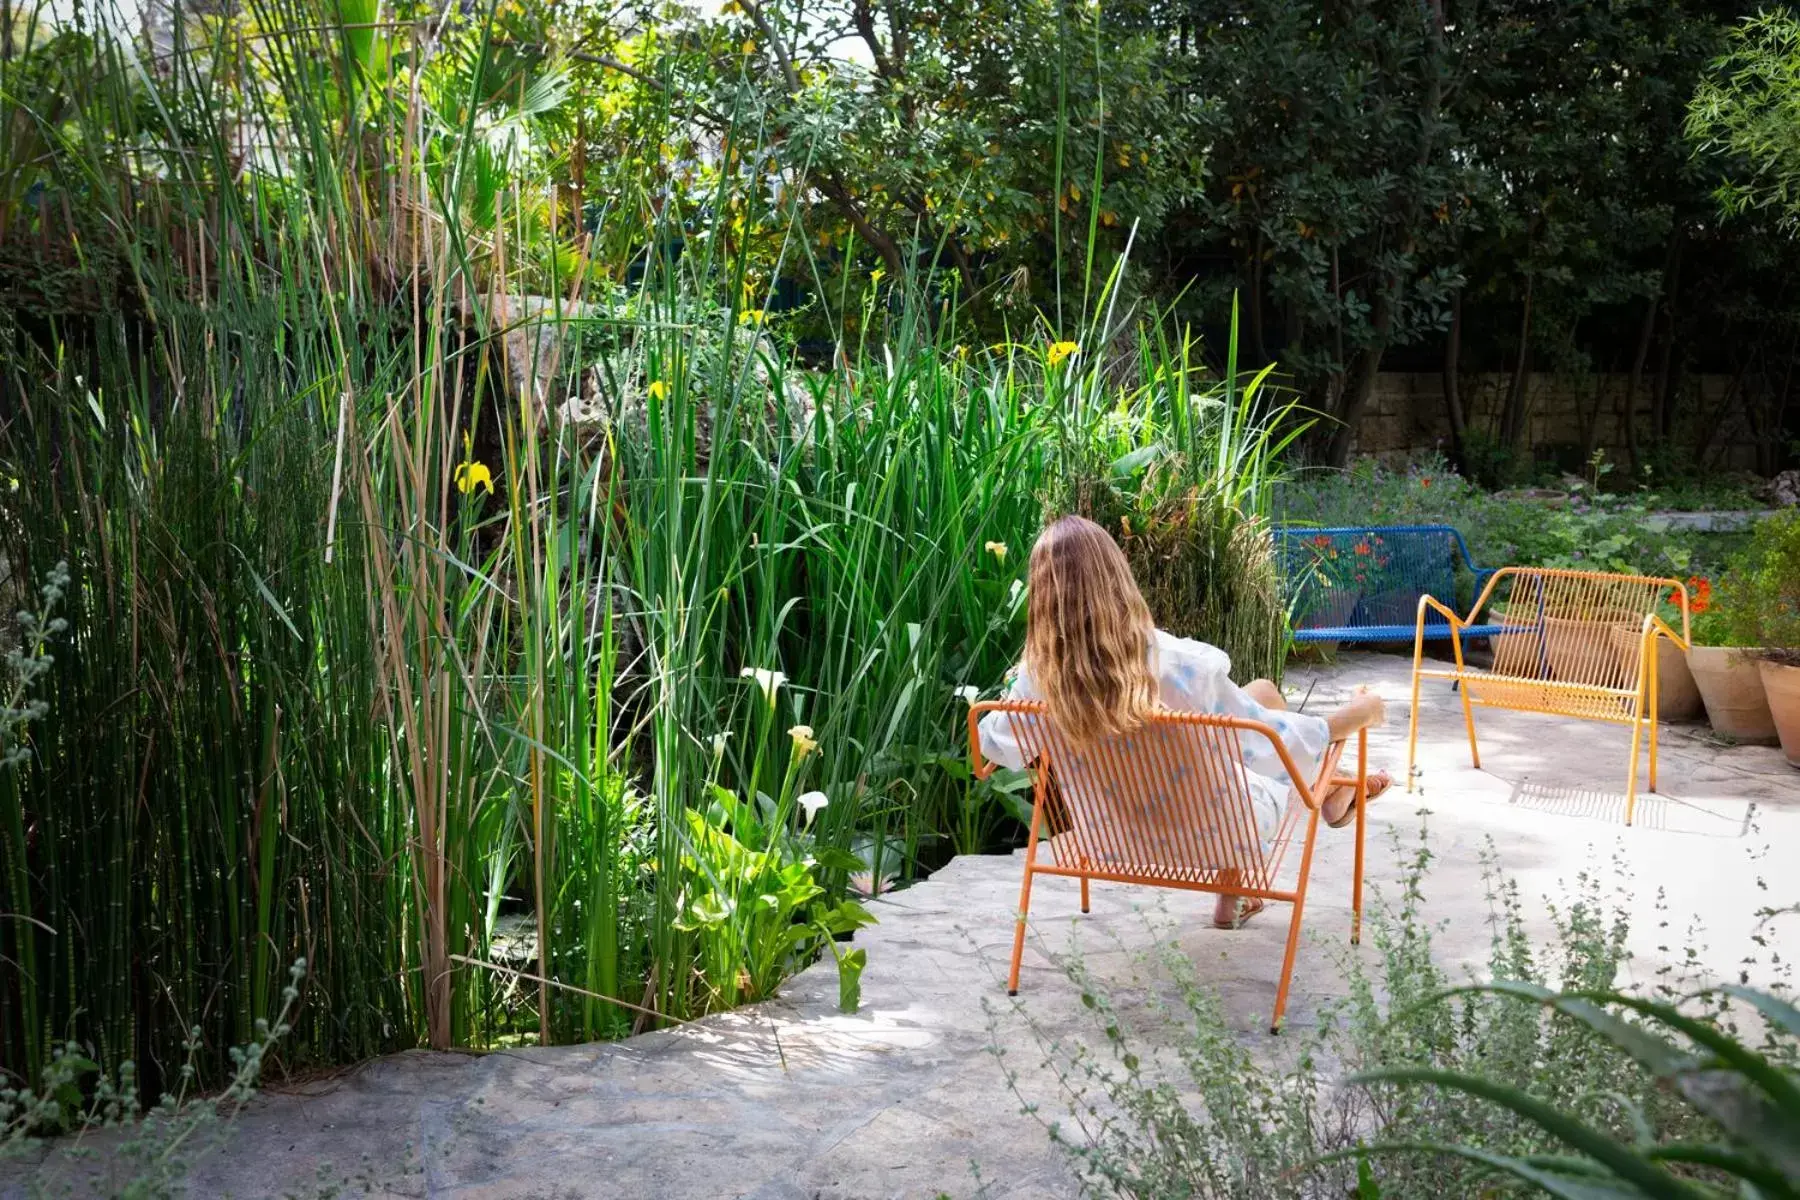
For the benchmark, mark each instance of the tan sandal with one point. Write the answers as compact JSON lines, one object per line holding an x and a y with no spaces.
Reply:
{"x":1247,"y":907}
{"x":1378,"y":782}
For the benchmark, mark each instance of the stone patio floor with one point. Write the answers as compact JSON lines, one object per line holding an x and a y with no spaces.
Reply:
{"x":792,"y":1098}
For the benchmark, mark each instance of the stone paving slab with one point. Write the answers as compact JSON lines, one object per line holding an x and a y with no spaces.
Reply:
{"x":792,"y":1099}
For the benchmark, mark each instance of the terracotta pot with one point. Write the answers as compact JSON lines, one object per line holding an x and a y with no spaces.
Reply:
{"x":1582,"y":650}
{"x":1519,"y":654}
{"x":1732,"y":689}
{"x":1781,"y":685}
{"x":1677,"y":695}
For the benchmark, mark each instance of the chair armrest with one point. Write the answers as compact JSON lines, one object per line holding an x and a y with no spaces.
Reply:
{"x":1313,"y":795}
{"x":977,"y":760}
{"x":1427,"y":603}
{"x":1655,"y":626}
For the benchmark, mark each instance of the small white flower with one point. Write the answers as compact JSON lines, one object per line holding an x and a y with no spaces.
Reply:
{"x":810,"y":803}
{"x":804,"y":742}
{"x":769,"y":681}
{"x":969,"y":692}
{"x":718,"y":743}
{"x":997,"y":549}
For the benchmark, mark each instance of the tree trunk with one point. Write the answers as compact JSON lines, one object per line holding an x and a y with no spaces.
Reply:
{"x":1710,"y":428}
{"x":1628,"y":408}
{"x":1359,"y":386}
{"x":1664,"y":402}
{"x":1258,"y":345}
{"x":1453,"y":405}
{"x":1513,"y":422}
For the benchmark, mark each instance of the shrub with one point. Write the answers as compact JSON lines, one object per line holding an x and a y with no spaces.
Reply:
{"x":155,"y":1149}
{"x":1218,"y":1118}
{"x":1586,"y":529}
{"x":1761,"y":602}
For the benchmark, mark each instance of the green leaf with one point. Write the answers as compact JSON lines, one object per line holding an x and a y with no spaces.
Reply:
{"x":850,"y":969}
{"x":1778,"y":1011}
{"x":1558,"y":1184}
{"x":1366,"y":1187}
{"x":1130,"y":464}
{"x":1647,"y":1178}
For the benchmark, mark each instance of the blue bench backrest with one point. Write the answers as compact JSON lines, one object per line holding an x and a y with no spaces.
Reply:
{"x":1357,"y":577}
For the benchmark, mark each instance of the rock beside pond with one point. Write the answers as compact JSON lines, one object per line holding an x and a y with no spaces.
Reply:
{"x":1783,"y":491}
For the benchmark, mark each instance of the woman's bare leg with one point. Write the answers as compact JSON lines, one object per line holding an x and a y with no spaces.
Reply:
{"x":1266,"y":694}
{"x":1226,"y":913}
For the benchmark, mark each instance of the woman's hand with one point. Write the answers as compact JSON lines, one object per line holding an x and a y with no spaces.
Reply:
{"x":1365,"y":710}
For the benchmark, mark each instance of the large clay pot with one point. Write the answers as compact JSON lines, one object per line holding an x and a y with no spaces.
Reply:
{"x":1581,"y":650}
{"x":1677,"y":695}
{"x":1520,"y":654}
{"x":1781,"y":685}
{"x":1732,"y":688}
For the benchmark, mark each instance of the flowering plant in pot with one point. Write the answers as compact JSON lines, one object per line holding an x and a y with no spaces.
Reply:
{"x":1726,"y":673}
{"x":1329,"y":589}
{"x":1762,"y":611}
{"x":1677,"y":693}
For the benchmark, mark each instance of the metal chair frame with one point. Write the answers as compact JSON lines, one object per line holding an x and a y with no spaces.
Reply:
{"x":1178,"y":805}
{"x":1549,"y":660}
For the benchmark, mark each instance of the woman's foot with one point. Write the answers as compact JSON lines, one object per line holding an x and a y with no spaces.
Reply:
{"x":1233,"y":911}
{"x":1340,"y":805}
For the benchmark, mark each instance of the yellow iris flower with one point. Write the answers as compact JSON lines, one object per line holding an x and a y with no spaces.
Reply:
{"x":471,"y":475}
{"x":1061,"y":350}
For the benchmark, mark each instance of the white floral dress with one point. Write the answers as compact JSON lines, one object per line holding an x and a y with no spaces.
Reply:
{"x":1195,"y":677}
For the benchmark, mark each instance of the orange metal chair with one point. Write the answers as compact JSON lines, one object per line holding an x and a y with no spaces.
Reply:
{"x":1577,"y":644}
{"x":1168,"y":806}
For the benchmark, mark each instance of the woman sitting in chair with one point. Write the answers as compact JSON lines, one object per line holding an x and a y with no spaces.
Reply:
{"x":1098,"y":663}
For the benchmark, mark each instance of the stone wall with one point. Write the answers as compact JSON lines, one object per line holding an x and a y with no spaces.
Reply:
{"x":1406,"y":414}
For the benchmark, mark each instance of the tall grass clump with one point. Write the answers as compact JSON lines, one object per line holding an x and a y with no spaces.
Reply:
{"x":535,"y":655}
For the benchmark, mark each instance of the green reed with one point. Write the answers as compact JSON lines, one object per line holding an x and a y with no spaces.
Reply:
{"x":329,"y":695}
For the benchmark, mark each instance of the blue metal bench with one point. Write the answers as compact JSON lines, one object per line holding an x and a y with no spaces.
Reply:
{"x":1363,"y":583}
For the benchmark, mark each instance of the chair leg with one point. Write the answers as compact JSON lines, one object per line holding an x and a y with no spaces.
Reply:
{"x":1469,"y":721}
{"x":1637,"y":745}
{"x":1651,"y":667}
{"x":1293,"y":938}
{"x":1018,"y":954}
{"x":1287,"y":964}
{"x":1412,"y":727}
{"x":1084,"y":893}
{"x":1362,"y":810}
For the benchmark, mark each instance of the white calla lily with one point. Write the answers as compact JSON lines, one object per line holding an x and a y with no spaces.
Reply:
{"x":810,"y":803}
{"x":769,"y":681}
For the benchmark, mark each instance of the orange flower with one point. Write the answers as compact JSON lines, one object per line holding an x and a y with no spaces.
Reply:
{"x":1700,"y":594}
{"x":1363,"y":548}
{"x":1425,"y":481}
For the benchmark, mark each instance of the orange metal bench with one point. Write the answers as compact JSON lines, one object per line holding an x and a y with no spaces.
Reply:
{"x":1167,"y":806}
{"x":1577,"y":644}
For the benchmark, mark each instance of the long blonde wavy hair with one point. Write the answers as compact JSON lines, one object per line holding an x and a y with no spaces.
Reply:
{"x":1088,"y":633}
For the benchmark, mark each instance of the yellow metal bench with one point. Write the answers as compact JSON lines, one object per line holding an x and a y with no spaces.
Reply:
{"x":1576,"y":644}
